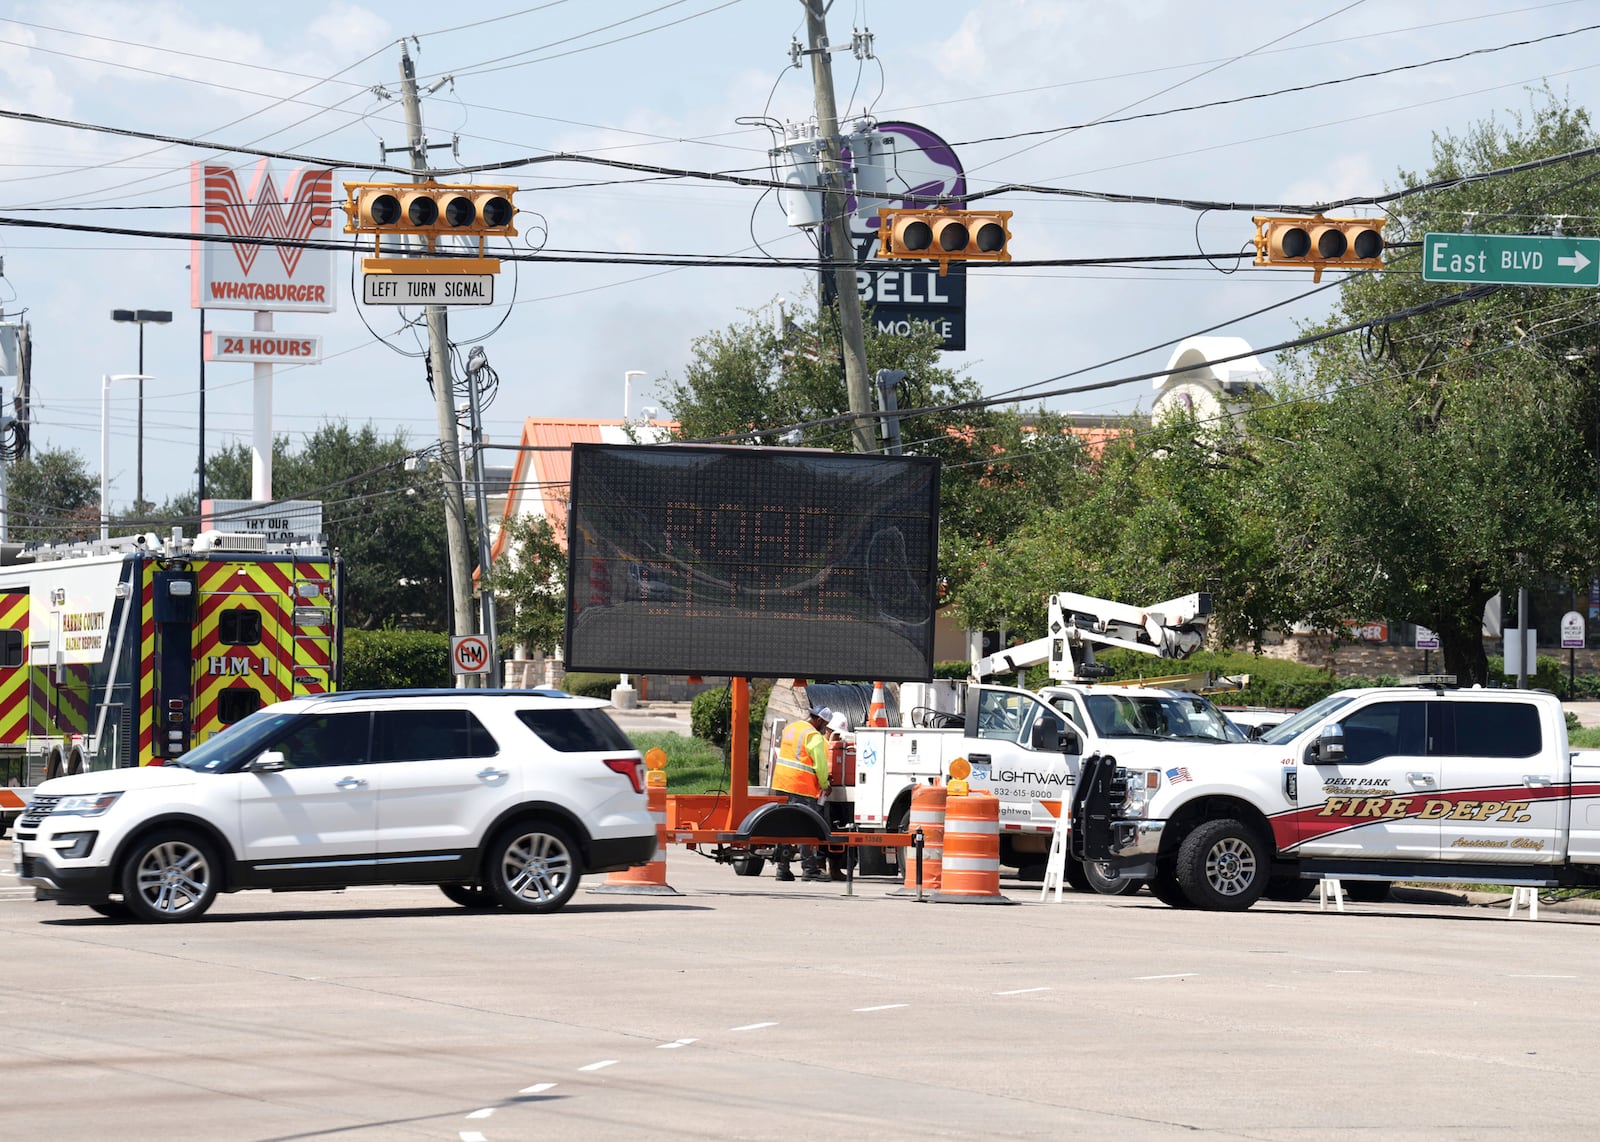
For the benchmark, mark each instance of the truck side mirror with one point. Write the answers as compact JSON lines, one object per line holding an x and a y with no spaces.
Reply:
{"x":1046,"y":735}
{"x":1329,"y":746}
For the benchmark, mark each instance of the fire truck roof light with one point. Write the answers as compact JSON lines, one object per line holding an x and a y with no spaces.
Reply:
{"x":180,"y":587}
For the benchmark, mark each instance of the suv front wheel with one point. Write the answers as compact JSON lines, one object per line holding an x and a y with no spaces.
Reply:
{"x":170,"y":877}
{"x":533,"y":866}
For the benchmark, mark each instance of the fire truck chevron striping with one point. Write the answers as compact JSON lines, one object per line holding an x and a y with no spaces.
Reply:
{"x":134,"y":650}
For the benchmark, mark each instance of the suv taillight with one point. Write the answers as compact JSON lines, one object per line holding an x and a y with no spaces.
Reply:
{"x":631,"y":768}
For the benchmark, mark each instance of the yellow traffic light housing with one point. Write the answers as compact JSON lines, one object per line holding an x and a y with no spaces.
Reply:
{"x":429,"y":209}
{"x":1318,"y":242}
{"x":945,"y":235}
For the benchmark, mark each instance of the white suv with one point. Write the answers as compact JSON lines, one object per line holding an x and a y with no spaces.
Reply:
{"x":502,"y":798}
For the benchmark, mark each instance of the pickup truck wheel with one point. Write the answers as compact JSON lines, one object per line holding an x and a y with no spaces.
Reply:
{"x":1165,"y":888}
{"x":170,"y":877}
{"x":533,"y":866}
{"x":1222,"y":866}
{"x":1106,"y":882}
{"x":1367,"y":891}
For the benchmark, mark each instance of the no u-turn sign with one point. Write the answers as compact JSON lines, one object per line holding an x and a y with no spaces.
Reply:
{"x":469,"y":654}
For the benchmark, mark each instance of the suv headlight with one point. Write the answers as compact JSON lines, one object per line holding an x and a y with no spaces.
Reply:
{"x":86,"y":804}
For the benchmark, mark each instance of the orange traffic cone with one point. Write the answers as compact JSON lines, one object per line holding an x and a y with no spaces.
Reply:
{"x":927,"y":814}
{"x":877,"y":713}
{"x":649,"y":879}
{"x":970,"y":873}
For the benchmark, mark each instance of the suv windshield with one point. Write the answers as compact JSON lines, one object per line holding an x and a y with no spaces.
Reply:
{"x":241,"y":740}
{"x":1174,"y":717}
{"x":1285,"y":732}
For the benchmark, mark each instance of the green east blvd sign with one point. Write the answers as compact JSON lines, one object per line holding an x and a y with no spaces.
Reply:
{"x":1511,"y":259}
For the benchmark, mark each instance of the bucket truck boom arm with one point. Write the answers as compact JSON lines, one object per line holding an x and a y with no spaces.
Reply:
{"x":1079,"y":623}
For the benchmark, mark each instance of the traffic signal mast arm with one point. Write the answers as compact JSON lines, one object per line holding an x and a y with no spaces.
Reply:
{"x":1318,"y":242}
{"x":1173,"y":629}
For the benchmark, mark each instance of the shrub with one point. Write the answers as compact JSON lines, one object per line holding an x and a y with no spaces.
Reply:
{"x":711,"y":713}
{"x":395,"y":660}
{"x":592,"y":685}
{"x":693,"y":766}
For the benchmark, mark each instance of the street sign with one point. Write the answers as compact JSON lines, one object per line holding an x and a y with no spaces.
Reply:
{"x":428,"y":289}
{"x":1511,"y":259}
{"x":1426,"y":639}
{"x":1573,"y":631}
{"x":469,"y":654}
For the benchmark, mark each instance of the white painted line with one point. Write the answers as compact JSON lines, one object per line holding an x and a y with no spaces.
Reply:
{"x":486,"y":1112}
{"x":1174,"y":975}
{"x":600,"y":1066}
{"x":882,"y":1007}
{"x":536,"y":1088}
{"x":1351,"y":971}
{"x":753,"y":1026}
{"x":471,"y":1136}
{"x":1541,"y":977}
{"x":1023,"y":991}
{"x":675,"y":1043}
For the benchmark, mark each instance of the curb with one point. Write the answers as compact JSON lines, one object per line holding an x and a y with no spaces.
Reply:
{"x":1583,"y":905}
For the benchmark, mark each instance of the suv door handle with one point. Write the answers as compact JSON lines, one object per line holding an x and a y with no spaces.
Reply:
{"x":492,"y":774}
{"x":1537,"y":780}
{"x":350,"y":783}
{"x":1421,"y":780}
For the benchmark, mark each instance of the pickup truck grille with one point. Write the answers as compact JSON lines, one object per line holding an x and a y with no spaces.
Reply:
{"x":38,"y":809}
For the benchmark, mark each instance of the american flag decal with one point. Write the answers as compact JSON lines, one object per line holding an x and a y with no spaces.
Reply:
{"x":1181,"y":773}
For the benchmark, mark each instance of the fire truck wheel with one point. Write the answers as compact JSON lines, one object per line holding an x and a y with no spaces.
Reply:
{"x":75,"y":762}
{"x":533,"y":866}
{"x":1165,"y":888}
{"x":748,"y":865}
{"x":1108,"y":883}
{"x":469,"y":895}
{"x":52,"y":768}
{"x":170,"y":877}
{"x":1222,"y":866}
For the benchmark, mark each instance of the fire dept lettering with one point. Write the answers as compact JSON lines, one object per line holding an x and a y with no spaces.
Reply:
{"x":1429,"y":809}
{"x":240,"y":665}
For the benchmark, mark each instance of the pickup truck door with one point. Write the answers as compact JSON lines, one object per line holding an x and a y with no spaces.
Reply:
{"x":1503,"y":787}
{"x":1369,"y":803}
{"x":1031,"y":784}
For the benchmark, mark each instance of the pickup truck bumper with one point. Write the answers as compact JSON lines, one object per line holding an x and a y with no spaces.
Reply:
{"x":1136,"y":838}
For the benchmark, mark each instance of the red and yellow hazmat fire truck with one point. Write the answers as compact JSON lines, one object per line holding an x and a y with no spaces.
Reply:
{"x":131,"y":651}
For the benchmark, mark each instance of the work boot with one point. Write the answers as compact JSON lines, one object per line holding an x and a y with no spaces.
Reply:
{"x":837,"y":875}
{"x":782,"y":873}
{"x":814,"y":878}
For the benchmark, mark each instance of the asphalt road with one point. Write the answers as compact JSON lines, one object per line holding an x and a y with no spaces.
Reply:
{"x":743,"y":1008}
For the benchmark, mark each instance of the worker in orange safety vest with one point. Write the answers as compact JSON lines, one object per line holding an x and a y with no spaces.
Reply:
{"x":801,"y":772}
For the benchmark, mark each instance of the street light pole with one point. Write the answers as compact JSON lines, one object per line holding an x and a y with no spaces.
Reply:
{"x":105,"y":441}
{"x":141,"y":317}
{"x":477,"y":362}
{"x":627,"y":388}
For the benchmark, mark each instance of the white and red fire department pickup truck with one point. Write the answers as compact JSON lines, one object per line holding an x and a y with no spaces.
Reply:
{"x":1421,"y":783}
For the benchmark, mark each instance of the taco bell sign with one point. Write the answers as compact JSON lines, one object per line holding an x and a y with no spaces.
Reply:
{"x":256,"y":202}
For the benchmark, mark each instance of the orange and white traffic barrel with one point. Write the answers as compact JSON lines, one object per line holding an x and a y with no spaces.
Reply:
{"x":648,"y":879}
{"x":878,"y":711}
{"x":971,"y":866}
{"x":927,"y":814}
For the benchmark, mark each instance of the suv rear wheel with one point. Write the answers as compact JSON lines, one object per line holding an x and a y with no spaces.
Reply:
{"x":170,"y":877}
{"x":533,"y":866}
{"x":469,"y":895}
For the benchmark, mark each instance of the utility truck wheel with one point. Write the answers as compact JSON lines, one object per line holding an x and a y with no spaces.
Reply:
{"x":534,"y":867}
{"x":1222,"y":866}
{"x":1107,"y":883}
{"x":170,"y":877}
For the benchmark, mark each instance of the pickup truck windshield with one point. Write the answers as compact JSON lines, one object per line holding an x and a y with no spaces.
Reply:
{"x":1177,"y":717}
{"x":1287,"y":731}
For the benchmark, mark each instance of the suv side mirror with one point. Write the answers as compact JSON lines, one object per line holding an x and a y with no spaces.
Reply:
{"x":271,"y":761}
{"x":1329,"y":746}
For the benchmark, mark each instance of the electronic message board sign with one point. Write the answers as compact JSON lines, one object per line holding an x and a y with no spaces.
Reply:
{"x":751,"y":562}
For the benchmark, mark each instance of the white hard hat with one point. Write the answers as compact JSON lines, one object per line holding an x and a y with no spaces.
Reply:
{"x":839,"y":724}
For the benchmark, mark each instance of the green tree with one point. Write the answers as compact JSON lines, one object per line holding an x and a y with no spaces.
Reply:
{"x":529,"y":585}
{"x":1419,"y":468}
{"x":386,"y":522}
{"x":51,"y":498}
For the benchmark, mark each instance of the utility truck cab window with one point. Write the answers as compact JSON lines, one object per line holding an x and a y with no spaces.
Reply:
{"x":1176,"y":717}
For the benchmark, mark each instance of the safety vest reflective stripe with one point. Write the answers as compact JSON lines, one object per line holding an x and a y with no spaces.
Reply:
{"x":791,"y":774}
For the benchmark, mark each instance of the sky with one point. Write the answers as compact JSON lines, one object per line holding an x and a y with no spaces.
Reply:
{"x":1026,"y":91}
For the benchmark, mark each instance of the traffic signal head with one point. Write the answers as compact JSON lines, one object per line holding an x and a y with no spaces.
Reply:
{"x":945,"y":235}
{"x":428,"y":208}
{"x":1344,"y":243}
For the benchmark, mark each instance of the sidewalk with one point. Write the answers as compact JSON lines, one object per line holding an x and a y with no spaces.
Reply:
{"x":1588,"y":712}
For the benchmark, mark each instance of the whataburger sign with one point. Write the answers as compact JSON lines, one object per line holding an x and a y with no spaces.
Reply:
{"x":255,"y":202}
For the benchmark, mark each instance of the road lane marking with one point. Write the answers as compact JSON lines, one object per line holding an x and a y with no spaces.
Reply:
{"x":486,"y":1112}
{"x":600,"y":1066}
{"x":753,"y":1026}
{"x":471,"y":1136}
{"x":536,"y":1088}
{"x":675,"y":1043}
{"x":1174,"y":975}
{"x":882,"y":1007}
{"x":1023,"y":991}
